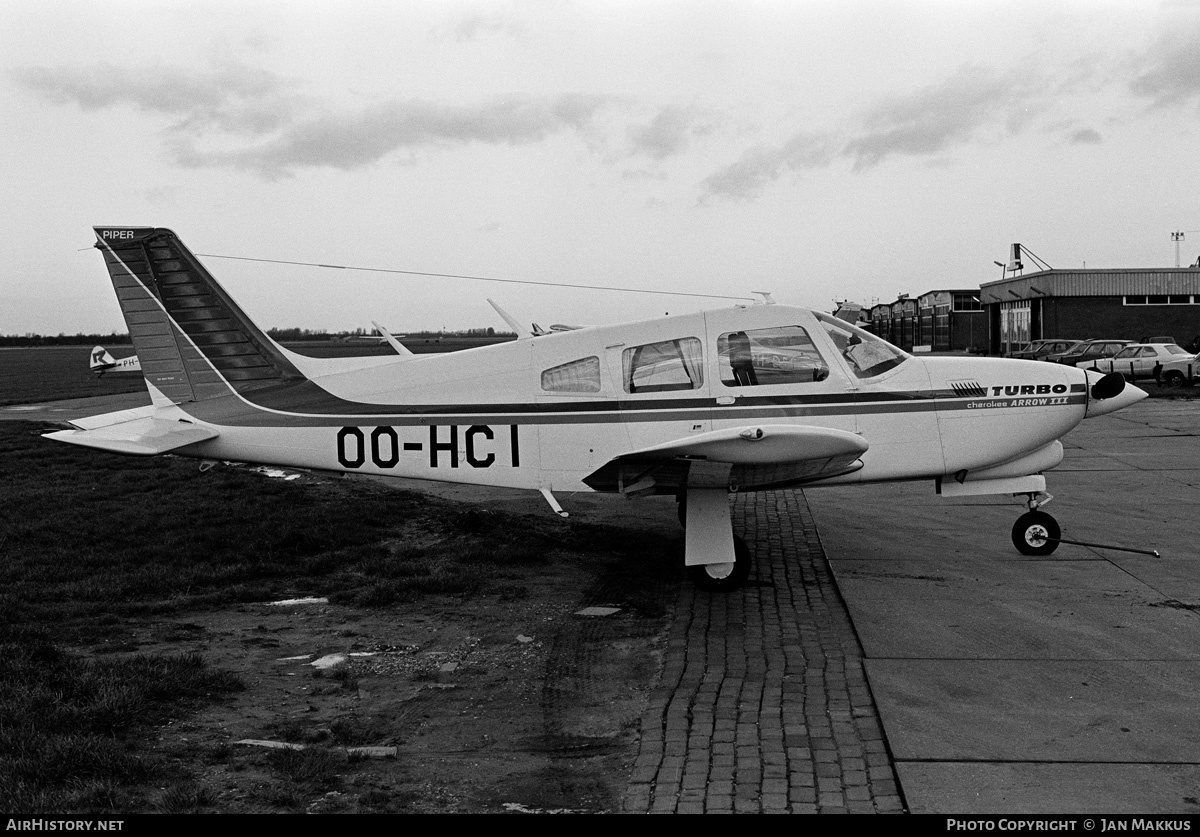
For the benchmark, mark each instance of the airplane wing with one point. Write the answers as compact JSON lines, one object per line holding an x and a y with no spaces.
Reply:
{"x":755,"y":457}
{"x":137,"y":432}
{"x":399,"y":347}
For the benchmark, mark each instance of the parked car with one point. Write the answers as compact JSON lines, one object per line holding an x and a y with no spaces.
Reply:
{"x":1050,"y":347}
{"x":1089,"y":350}
{"x":1024,"y":351}
{"x":1162,"y":339}
{"x":1038,"y":349}
{"x":1138,"y":360}
{"x":1177,"y":373}
{"x":1053,"y":357}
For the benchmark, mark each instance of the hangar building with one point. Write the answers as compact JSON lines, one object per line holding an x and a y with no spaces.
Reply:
{"x":951,"y":320}
{"x":1129,"y":304}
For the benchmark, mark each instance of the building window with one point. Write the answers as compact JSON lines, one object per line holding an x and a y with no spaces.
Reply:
{"x":1162,"y":299}
{"x":1014,"y":323}
{"x":967,"y":302}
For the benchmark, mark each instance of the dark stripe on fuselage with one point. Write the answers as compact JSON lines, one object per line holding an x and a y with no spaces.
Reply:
{"x":308,"y":399}
{"x":317,"y":408}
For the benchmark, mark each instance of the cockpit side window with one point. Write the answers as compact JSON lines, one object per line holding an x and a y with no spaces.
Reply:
{"x":865,"y":354}
{"x":784,"y":355}
{"x":664,"y":366}
{"x":577,"y":376}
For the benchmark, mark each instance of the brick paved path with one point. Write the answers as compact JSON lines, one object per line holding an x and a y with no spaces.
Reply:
{"x":763,"y":705}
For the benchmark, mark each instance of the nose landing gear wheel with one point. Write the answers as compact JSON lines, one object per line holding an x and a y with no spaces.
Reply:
{"x":1033,"y":531}
{"x":721,"y":578}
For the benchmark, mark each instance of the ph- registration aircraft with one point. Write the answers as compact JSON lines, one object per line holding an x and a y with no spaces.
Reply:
{"x":101,"y":361}
{"x":696,"y":406}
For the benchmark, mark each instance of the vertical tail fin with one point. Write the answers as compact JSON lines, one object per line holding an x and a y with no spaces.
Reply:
{"x":193,"y":341}
{"x":101,"y":360}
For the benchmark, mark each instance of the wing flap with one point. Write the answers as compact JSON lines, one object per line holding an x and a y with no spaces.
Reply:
{"x":758,"y":457}
{"x":144,"y":436}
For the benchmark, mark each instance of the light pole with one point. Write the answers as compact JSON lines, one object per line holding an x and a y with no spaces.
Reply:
{"x":1004,"y":333}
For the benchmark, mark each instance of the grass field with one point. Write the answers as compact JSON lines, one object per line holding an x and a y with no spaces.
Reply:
{"x":98,"y":548}
{"x":95,"y":544}
{"x":52,"y":373}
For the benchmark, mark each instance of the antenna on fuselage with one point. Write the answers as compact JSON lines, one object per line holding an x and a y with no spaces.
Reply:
{"x":766,"y":297}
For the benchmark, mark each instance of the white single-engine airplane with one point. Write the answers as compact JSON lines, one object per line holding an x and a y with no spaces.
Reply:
{"x":695,"y":405}
{"x":101,"y":361}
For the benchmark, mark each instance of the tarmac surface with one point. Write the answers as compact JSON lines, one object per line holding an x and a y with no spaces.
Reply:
{"x":1057,"y":685}
{"x":893,"y":652}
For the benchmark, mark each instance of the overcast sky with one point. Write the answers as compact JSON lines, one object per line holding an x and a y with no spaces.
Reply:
{"x":818,"y":150}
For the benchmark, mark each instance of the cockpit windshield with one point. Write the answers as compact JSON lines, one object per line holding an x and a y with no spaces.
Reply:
{"x":866,"y":354}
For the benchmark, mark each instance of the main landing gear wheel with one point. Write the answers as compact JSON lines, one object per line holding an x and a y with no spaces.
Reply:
{"x":1036,"y":533}
{"x":721,"y":578}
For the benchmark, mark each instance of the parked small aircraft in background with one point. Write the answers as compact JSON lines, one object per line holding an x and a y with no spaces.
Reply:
{"x":101,"y":362}
{"x":695,"y":406}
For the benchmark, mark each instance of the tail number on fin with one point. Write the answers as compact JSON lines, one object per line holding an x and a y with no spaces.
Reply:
{"x":383,"y":447}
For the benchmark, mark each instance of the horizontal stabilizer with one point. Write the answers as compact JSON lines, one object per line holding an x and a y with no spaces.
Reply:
{"x":757,"y":457}
{"x":139,"y":436}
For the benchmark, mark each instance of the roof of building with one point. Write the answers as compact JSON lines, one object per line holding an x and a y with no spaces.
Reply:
{"x":1085,"y":282}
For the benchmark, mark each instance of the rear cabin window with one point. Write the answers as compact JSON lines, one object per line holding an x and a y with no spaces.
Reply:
{"x":764,"y":356}
{"x":663,"y":367}
{"x":577,"y":376}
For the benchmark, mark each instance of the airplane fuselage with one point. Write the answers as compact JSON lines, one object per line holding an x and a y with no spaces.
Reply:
{"x":698,"y":405}
{"x":546,"y":412}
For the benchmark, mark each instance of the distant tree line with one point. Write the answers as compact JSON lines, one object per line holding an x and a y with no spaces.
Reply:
{"x":110,"y":339}
{"x":295,"y":335}
{"x":281,"y":335}
{"x":466,"y":332}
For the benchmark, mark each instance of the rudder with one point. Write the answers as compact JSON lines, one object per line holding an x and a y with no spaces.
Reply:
{"x":101,"y":359}
{"x":193,"y":341}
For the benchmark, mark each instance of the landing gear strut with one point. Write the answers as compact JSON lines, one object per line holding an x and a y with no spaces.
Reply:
{"x":717,"y":560}
{"x":721,"y":578}
{"x":1035,"y":532}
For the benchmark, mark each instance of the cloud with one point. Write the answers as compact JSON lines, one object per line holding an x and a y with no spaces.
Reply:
{"x":926,"y":122}
{"x":666,"y":135}
{"x":231,"y":97}
{"x":759,"y":166}
{"x":355,"y":140}
{"x":931,"y":120}
{"x":1168,"y":73}
{"x":472,"y":26}
{"x":242,"y":118}
{"x":1086,"y":136}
